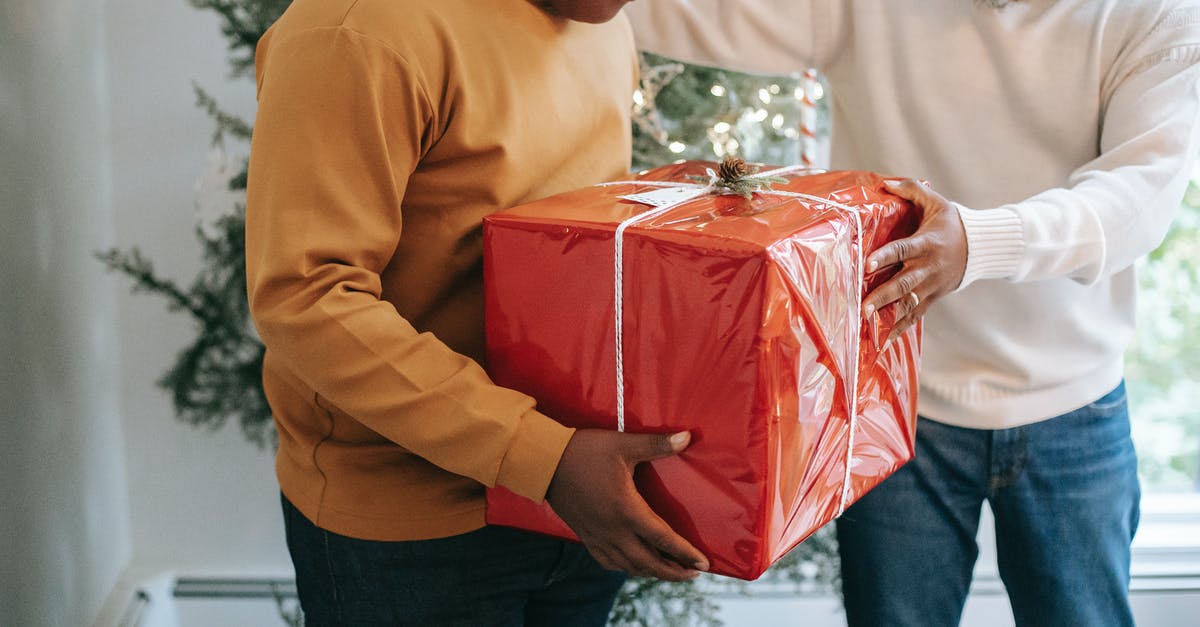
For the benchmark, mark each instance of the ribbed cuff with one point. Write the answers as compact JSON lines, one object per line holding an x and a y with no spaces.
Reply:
{"x":533,"y":455}
{"x":995,"y":243}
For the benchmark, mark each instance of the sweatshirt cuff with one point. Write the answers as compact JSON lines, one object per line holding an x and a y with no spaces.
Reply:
{"x":533,"y":455}
{"x":995,"y":243}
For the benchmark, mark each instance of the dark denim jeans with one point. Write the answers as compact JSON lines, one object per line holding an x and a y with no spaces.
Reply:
{"x":493,"y":576}
{"x":1064,"y":493}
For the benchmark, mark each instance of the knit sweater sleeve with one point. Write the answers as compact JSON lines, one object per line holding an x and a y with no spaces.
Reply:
{"x":342,"y":123}
{"x":1117,"y":207}
{"x":756,"y":36}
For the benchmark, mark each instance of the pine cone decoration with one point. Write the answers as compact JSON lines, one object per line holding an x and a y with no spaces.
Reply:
{"x":738,"y":177}
{"x":732,"y":169}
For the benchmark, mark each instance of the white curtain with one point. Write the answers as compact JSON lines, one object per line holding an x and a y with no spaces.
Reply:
{"x":63,"y":505}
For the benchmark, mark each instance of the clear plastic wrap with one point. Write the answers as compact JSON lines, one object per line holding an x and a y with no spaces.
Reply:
{"x":740,"y":323}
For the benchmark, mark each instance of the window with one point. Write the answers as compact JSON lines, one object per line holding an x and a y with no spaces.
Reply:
{"x":1163,"y":377}
{"x":1164,"y":361}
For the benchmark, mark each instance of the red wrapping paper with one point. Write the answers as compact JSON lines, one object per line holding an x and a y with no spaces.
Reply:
{"x":738,"y":324}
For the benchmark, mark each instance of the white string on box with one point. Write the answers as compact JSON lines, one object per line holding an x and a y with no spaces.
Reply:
{"x":700,"y":190}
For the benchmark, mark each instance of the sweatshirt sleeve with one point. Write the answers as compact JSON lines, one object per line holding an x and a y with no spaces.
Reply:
{"x":343,"y":121}
{"x":1115,"y":208}
{"x":756,"y":36}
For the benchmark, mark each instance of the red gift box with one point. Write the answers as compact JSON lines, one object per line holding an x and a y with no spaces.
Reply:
{"x":740,"y":322}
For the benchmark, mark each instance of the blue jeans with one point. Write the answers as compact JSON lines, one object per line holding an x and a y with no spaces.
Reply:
{"x":1064,"y":493}
{"x":493,"y":576}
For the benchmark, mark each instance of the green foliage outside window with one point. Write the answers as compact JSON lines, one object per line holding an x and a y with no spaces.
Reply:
{"x":1163,"y":364}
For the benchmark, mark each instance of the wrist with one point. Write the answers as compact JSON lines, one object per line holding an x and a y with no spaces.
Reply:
{"x":995,"y":243}
{"x":533,"y":455}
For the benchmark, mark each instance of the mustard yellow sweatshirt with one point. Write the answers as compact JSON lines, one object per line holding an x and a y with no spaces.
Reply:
{"x":386,"y":131}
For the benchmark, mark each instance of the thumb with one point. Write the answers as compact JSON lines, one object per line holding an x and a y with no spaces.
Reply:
{"x":917,"y":192}
{"x":908,"y":189}
{"x":645,"y":447}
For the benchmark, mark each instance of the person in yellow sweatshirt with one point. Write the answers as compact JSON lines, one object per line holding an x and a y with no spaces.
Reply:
{"x":386,"y":131}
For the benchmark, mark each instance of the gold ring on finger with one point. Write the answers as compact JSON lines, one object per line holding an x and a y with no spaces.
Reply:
{"x":916,"y":300}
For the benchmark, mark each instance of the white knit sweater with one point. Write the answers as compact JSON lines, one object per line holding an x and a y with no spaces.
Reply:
{"x":1063,"y":128}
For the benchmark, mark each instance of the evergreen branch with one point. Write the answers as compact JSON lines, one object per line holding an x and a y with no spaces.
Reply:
{"x":218,"y":377}
{"x":644,"y":602}
{"x":243,"y":37}
{"x":227,"y":123}
{"x":239,"y":181}
{"x":746,"y":187}
{"x":137,"y":267}
{"x":243,"y":24}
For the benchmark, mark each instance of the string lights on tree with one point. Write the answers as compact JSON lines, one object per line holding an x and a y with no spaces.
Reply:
{"x":708,"y":113}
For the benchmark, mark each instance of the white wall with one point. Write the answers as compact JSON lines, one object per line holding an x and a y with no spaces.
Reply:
{"x":62,"y":498}
{"x":100,"y":144}
{"x":200,"y":502}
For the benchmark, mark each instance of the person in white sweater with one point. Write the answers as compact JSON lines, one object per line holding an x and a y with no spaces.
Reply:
{"x":1058,"y":136}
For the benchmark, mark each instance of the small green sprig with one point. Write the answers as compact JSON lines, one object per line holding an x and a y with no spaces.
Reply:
{"x":739,"y":177}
